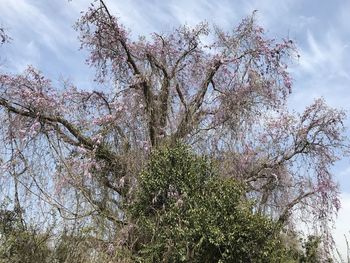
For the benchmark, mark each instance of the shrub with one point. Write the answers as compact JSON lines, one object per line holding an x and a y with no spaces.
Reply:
{"x":185,"y":212}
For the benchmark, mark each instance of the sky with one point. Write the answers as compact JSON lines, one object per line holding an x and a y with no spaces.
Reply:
{"x":42,"y":36}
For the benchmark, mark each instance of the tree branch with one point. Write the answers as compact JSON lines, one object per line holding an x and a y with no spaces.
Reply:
{"x":84,"y":141}
{"x":191,"y":113}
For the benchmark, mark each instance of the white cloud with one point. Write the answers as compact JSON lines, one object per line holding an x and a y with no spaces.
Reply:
{"x":33,"y":56}
{"x":322,"y":70}
{"x":270,"y":11}
{"x":325,"y":54}
{"x":30,"y":20}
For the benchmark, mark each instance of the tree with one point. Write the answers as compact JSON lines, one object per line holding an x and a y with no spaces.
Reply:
{"x":222,"y":93}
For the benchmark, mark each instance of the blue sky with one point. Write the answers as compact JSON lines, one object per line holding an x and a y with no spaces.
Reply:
{"x":43,"y":36}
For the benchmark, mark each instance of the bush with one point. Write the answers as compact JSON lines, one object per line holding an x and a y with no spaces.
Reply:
{"x":185,"y":212}
{"x":18,"y":244}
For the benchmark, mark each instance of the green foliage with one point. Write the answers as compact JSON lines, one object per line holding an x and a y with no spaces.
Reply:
{"x":19,"y":244}
{"x":311,"y":247}
{"x":311,"y":251}
{"x":299,"y":250}
{"x":182,"y":211}
{"x":185,"y":212}
{"x":71,"y":248}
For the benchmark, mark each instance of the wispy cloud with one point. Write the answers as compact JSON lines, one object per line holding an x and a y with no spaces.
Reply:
{"x":43,"y":36}
{"x":31,"y":20}
{"x":327,"y":54}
